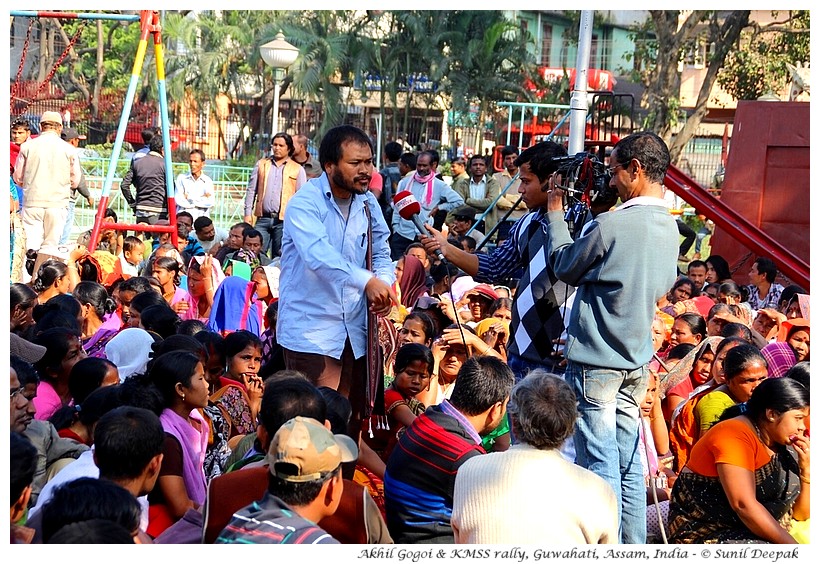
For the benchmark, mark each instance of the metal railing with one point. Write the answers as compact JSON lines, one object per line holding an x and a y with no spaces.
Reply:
{"x":230,"y":183}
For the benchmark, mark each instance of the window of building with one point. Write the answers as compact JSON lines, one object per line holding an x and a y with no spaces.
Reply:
{"x":546,"y":44}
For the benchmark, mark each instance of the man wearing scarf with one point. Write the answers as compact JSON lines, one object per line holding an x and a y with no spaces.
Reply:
{"x":433,"y":195}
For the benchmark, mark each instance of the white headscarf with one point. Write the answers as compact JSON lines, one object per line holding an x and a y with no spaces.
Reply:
{"x":129,"y":350}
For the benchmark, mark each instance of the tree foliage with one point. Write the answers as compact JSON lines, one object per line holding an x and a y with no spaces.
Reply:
{"x":759,"y":65}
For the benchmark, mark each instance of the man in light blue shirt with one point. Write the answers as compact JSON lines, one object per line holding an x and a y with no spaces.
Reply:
{"x":432,"y":194}
{"x":325,"y":286}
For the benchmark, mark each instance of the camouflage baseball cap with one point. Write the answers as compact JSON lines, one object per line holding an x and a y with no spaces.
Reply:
{"x":303,"y":449}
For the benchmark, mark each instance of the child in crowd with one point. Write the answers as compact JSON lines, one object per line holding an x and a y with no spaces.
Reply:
{"x":132,"y":255}
{"x":413,"y":370}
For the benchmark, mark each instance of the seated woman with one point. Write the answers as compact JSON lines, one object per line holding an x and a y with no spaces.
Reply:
{"x":168,"y":271}
{"x":494,"y":332}
{"x":682,"y":289}
{"x":180,"y":378}
{"x":100,"y":321}
{"x":449,"y":354}
{"x":717,"y":270}
{"x":63,"y":351}
{"x":204,"y":277}
{"x":55,"y":277}
{"x":501,"y":309}
{"x":749,"y":474}
{"x":779,"y":357}
{"x":688,"y":328}
{"x":694,"y":370}
{"x":796,"y":333}
{"x":419,"y":328}
{"x":22,"y":302}
{"x":266,"y":279}
{"x":240,"y":389}
{"x":655,"y":459}
{"x":236,"y":308}
{"x":744,"y":368}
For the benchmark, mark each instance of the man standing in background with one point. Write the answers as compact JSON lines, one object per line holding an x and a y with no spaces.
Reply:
{"x":195,"y":189}
{"x":274,"y":180}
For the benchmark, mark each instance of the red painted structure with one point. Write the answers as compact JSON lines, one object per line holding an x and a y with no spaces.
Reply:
{"x":764,"y":205}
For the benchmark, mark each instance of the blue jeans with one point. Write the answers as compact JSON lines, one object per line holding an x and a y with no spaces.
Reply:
{"x":522,"y":367}
{"x":271,"y":230}
{"x":69,"y":222}
{"x":606,"y":437}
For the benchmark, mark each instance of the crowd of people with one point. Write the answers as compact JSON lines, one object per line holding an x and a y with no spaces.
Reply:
{"x":322,"y":372}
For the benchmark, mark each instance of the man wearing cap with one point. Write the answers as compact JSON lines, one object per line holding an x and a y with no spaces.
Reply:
{"x":463,"y":220}
{"x":47,"y":168}
{"x":72,"y":137}
{"x":432,"y":194}
{"x":274,"y":180}
{"x":305,"y":485}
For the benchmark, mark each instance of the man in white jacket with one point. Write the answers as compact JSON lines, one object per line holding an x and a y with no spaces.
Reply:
{"x":530,"y":494}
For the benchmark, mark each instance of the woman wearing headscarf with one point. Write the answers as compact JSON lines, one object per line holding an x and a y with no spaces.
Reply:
{"x":130,"y":350}
{"x":779,"y":357}
{"x":236,"y":307}
{"x":204,"y":277}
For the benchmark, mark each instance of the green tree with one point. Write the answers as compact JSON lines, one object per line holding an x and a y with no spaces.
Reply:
{"x":760,"y":65}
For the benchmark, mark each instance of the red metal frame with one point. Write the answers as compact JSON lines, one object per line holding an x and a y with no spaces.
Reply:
{"x":737,"y":226}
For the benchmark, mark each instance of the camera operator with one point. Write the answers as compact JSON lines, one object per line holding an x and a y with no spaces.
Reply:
{"x":622,"y":264}
{"x":537,"y":321}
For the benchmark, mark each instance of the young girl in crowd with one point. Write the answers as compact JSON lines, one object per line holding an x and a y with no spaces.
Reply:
{"x":240,"y":394}
{"x":167,"y":270}
{"x":413,"y":370}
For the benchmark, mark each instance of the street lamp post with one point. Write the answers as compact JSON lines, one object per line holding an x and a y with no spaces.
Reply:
{"x":278,"y":54}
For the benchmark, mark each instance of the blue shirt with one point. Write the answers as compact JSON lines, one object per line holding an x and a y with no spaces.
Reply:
{"x":321,"y":288}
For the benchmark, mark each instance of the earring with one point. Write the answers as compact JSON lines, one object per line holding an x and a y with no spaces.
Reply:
{"x":183,"y":397}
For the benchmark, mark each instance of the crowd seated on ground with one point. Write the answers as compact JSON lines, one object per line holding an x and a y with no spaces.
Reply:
{"x":187,"y":339}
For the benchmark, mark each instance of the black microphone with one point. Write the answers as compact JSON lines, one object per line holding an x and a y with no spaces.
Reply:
{"x":409,"y":208}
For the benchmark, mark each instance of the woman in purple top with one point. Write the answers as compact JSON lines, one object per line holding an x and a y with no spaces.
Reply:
{"x":100,"y":321}
{"x":167,"y":270}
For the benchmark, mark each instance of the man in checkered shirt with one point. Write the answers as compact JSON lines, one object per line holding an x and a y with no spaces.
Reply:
{"x":537,"y":315}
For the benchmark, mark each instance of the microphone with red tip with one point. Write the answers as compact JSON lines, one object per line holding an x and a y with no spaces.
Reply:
{"x":409,"y":208}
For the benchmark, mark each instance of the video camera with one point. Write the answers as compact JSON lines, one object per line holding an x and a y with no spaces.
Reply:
{"x":584,"y":180}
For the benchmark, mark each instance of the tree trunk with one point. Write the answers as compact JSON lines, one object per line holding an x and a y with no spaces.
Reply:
{"x":724,"y":39}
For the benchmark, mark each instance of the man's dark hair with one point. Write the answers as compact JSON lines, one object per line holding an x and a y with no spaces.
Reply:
{"x":289,"y":396}
{"x":697,"y":263}
{"x":735,"y":329}
{"x":92,"y":531}
{"x":202,"y":222}
{"x":408,"y":160}
{"x":471,"y":244}
{"x":22,"y":464}
{"x":199,"y":152}
{"x":649,"y":149}
{"x":481,"y":382}
{"x":288,"y":141}
{"x":161,"y":319}
{"x":21,"y":122}
{"x":766,"y":267}
{"x":243,"y":224}
{"x":509,"y":150}
{"x":540,"y":157}
{"x":144,"y":300}
{"x":155,"y":144}
{"x":90,"y":498}
{"x":186,"y":214}
{"x":126,"y":439}
{"x":392,"y":151}
{"x":434,"y":157}
{"x":136,"y":284}
{"x":330,"y":150}
{"x":298,"y":494}
{"x":250,"y":232}
{"x":148,"y":133}
{"x":191,"y":327}
{"x":26,"y":373}
{"x":479,"y":158}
